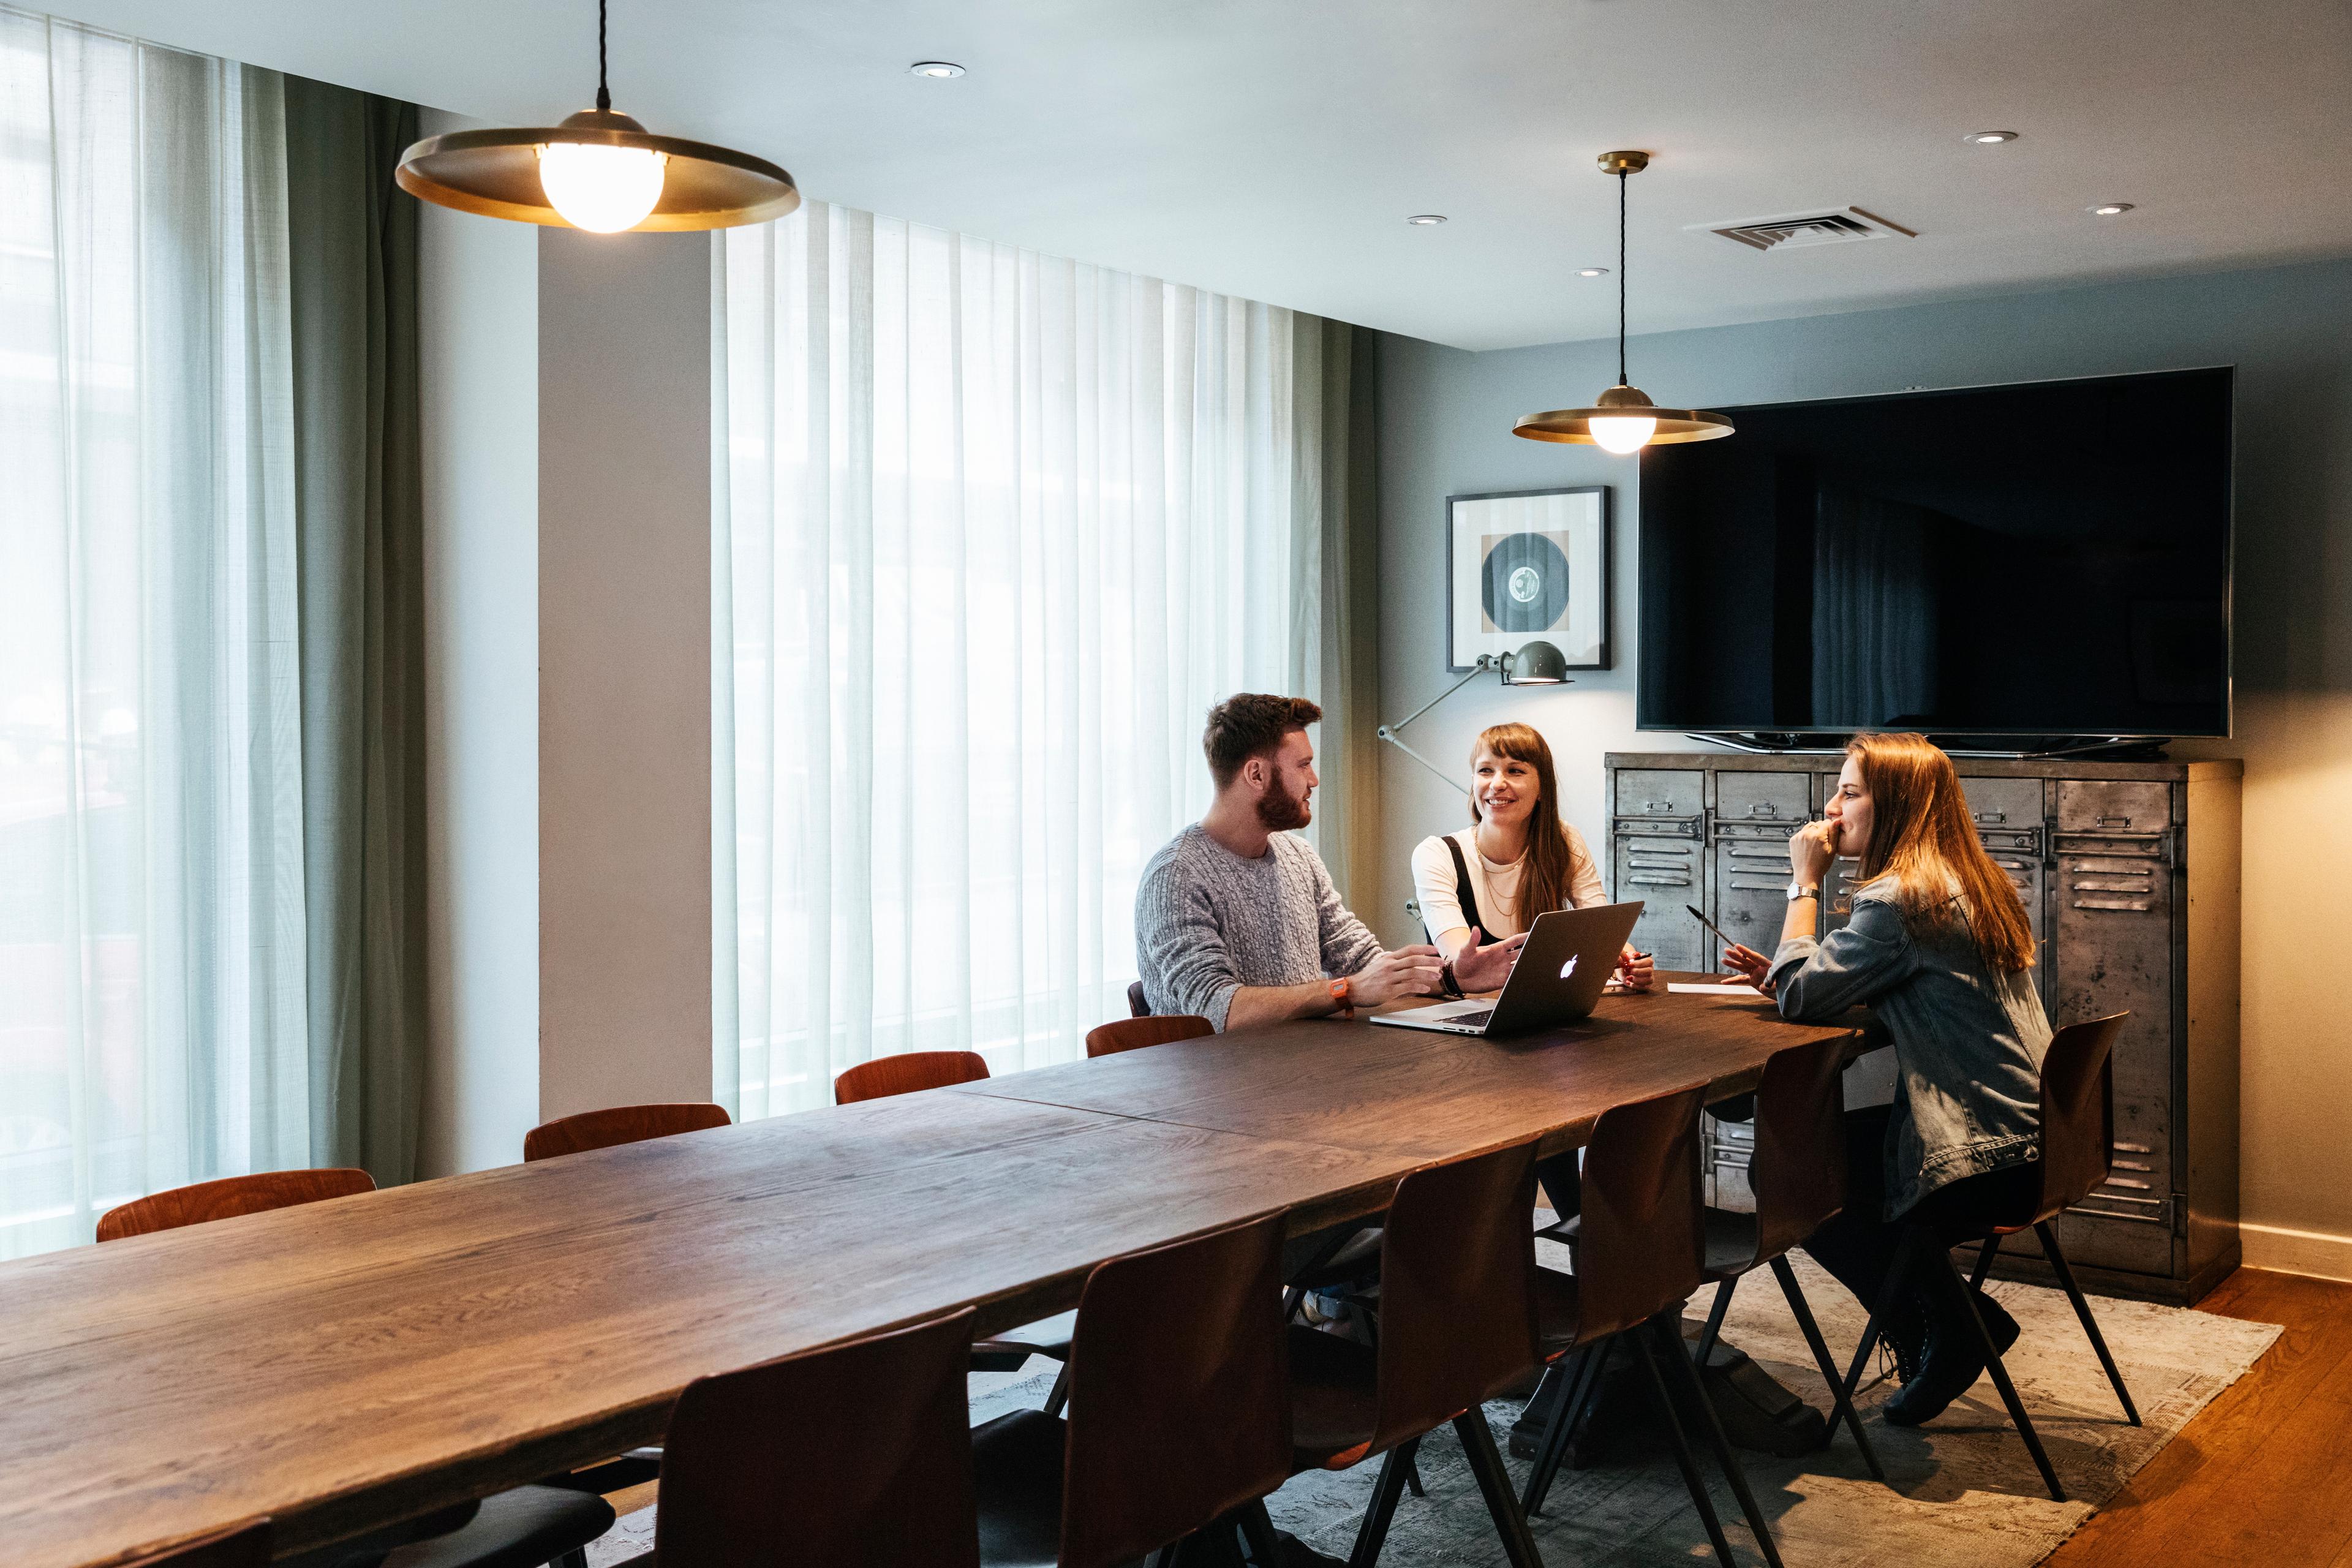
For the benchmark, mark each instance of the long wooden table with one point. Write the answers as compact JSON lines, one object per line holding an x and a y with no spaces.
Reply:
{"x":351,"y":1364}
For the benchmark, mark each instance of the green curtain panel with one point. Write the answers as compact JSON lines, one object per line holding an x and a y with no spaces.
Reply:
{"x":352,"y":236}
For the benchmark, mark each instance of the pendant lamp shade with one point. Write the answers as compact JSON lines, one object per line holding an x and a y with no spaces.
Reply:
{"x":598,"y":171}
{"x":1622,"y":419}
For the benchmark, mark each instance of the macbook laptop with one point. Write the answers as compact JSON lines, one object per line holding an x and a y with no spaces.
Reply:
{"x":1561,"y":972}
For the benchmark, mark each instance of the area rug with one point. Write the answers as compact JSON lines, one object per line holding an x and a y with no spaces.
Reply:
{"x":1963,"y":1492}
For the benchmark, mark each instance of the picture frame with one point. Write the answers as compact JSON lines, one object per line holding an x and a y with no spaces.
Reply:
{"x":1530,"y":566}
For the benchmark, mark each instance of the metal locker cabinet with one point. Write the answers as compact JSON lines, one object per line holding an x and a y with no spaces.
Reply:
{"x":1659,"y":829}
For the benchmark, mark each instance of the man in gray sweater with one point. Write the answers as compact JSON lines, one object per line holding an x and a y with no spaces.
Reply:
{"x":1236,"y":919}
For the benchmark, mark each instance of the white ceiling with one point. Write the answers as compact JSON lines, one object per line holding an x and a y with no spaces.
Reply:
{"x":1273,"y":148}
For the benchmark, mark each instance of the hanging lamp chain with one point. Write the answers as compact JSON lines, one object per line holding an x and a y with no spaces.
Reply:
{"x":1621,"y":379}
{"x":605,"y":93}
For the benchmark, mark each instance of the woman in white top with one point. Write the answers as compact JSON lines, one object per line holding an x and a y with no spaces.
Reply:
{"x":1516,"y":860}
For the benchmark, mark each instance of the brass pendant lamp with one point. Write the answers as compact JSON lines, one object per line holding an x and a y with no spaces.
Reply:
{"x":1623,"y":418}
{"x":599,"y":171}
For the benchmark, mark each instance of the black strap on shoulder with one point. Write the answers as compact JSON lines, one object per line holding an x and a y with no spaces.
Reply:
{"x":1469,"y":900}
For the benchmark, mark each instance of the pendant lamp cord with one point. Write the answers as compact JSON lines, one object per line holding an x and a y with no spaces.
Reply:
{"x":1621,"y":276}
{"x":605,"y":93}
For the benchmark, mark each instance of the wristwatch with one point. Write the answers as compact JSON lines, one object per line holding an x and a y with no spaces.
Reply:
{"x":1447,"y":982}
{"x":1799,"y":890}
{"x":1339,"y":998}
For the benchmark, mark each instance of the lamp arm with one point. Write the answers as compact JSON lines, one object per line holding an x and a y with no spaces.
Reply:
{"x":1388,"y":733}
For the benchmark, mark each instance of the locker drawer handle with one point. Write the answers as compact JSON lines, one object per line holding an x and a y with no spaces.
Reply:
{"x":1659,"y":881}
{"x":1992,"y":816}
{"x":2115,"y":821}
{"x":2140,"y":908}
{"x":2127,"y":1181}
{"x":1763,"y":808}
{"x":2133,"y":1149}
{"x":2133,"y":1166}
{"x":2113,"y":885}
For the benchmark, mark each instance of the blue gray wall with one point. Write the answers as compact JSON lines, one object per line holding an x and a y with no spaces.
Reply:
{"x":1445,"y":426}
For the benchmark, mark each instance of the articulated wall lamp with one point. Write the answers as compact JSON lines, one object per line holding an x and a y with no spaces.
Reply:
{"x":1537,"y":664}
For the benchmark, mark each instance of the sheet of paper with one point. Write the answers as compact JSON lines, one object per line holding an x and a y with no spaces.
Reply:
{"x":1688,"y":989}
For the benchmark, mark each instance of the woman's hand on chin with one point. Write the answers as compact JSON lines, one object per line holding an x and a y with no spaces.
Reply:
{"x":1486,"y":968}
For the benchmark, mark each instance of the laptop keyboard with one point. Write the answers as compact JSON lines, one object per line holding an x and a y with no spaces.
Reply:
{"x":1471,"y":1020}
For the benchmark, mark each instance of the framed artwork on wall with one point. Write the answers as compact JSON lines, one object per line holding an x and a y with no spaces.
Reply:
{"x":1526,"y":566}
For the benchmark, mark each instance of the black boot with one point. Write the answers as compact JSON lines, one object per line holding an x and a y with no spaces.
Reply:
{"x":1954,"y":1357}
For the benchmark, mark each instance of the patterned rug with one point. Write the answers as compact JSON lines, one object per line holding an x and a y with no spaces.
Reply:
{"x":1963,"y":1492}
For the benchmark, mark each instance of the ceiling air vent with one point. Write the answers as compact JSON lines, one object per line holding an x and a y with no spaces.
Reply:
{"x":1845,"y":226}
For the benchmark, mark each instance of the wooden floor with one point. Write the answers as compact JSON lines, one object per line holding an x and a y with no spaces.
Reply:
{"x":2263,"y":1475}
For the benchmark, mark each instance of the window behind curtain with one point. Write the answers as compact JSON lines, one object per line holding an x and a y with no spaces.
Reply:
{"x":151,"y":906}
{"x":993,"y":532}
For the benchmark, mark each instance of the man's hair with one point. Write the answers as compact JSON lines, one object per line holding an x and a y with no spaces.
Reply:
{"x":1250,"y":724}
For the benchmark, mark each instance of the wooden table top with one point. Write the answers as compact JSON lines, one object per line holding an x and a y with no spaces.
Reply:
{"x":352,"y":1363}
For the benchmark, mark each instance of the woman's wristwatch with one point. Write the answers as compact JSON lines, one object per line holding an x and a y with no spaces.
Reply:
{"x":1799,"y":890}
{"x":1447,"y":982}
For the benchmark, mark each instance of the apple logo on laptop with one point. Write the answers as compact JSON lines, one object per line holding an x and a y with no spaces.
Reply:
{"x":1569,"y":968}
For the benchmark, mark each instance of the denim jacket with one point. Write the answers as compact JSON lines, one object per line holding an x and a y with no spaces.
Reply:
{"x":1967,"y":1044}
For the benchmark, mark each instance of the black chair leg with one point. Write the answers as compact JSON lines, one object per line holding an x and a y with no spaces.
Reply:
{"x":1412,"y":1480}
{"x":1670,"y":1344}
{"x":575,"y":1558}
{"x":1889,"y":1294}
{"x":1646,"y":1352}
{"x":1842,"y":1409}
{"x":1950,"y":1275}
{"x":1983,"y":1270}
{"x":1584,"y":1377}
{"x":1257,"y":1530}
{"x":1060,"y":1394}
{"x":1495,"y":1485}
{"x":1706,"y":1336}
{"x":1373,"y":1533}
{"x":2065,"y":1273}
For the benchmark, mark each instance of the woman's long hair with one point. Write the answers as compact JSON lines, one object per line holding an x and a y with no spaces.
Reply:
{"x":1544,"y":881}
{"x":1923,"y":840}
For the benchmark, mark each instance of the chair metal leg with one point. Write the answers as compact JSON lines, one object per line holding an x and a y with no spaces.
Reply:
{"x":1413,"y":1478}
{"x":1841,"y":1407}
{"x":2065,"y":1273}
{"x":1706,"y":1336}
{"x":1646,"y":1352}
{"x":1710,"y":1425}
{"x":575,"y":1558}
{"x":1257,"y":1530}
{"x":1373,"y":1533}
{"x":1889,"y":1294}
{"x":1985,"y":1254}
{"x":1951,"y":1273}
{"x":1495,"y":1485}
{"x":1060,"y":1394}
{"x":1584,"y":1376}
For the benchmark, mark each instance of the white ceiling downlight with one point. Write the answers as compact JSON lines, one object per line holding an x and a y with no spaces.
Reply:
{"x":2109,"y":209}
{"x":936,"y":70}
{"x":1592,"y":272}
{"x":1990,"y":138}
{"x":1799,"y":231}
{"x":1426,"y":220}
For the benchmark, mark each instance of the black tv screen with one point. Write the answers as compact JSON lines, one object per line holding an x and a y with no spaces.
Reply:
{"x":2046,"y":559}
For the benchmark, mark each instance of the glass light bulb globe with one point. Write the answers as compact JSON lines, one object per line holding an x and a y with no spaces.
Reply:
{"x":601,"y":189}
{"x":1620,"y":434}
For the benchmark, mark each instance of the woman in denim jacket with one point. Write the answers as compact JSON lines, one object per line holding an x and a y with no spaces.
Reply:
{"x":1938,"y":947}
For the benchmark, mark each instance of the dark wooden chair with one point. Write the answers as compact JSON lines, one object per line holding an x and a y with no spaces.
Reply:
{"x":1640,"y":1255}
{"x":524,"y":1527}
{"x":1182,"y":1419}
{"x":618,"y":1124}
{"x":1135,"y":1033}
{"x":1137,"y":1005}
{"x":1798,"y":1174}
{"x":856,"y":1453}
{"x":245,"y":1548}
{"x":907,"y":1073}
{"x":228,"y":1197}
{"x":2077,"y":1145}
{"x":1456,"y":1327}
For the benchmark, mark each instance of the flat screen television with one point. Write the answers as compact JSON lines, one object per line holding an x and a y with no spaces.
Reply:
{"x":2050,"y":559}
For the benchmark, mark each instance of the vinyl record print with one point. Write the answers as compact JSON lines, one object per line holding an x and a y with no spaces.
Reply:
{"x":1528,"y":566}
{"x":1526,"y":582}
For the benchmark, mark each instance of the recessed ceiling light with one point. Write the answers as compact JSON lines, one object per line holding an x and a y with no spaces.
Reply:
{"x":938,"y":70}
{"x":1990,"y":138}
{"x":2109,"y":209}
{"x":1426,"y":220}
{"x":1592,"y":272}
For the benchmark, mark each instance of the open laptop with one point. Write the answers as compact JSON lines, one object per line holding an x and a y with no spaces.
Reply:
{"x":1561,"y":972}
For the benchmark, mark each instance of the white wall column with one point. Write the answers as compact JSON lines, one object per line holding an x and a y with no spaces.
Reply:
{"x":624,"y":669}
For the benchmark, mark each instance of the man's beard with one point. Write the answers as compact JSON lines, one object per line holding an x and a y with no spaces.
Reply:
{"x":1278,"y":811}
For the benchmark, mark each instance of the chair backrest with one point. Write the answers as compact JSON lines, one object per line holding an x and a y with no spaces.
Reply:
{"x":856,"y":1453}
{"x":1136,"y":1004}
{"x":1180,"y":1404}
{"x":245,"y":1548}
{"x":1457,"y":1290}
{"x":229,"y":1196}
{"x":618,"y":1124}
{"x":905,"y":1073}
{"x":1799,"y":1168}
{"x":2078,"y":1112}
{"x":1134,"y":1034}
{"x":1641,"y":1246}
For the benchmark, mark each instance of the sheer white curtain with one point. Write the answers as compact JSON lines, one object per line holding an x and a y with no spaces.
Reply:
{"x":993,"y":532}
{"x":152,"y":899}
